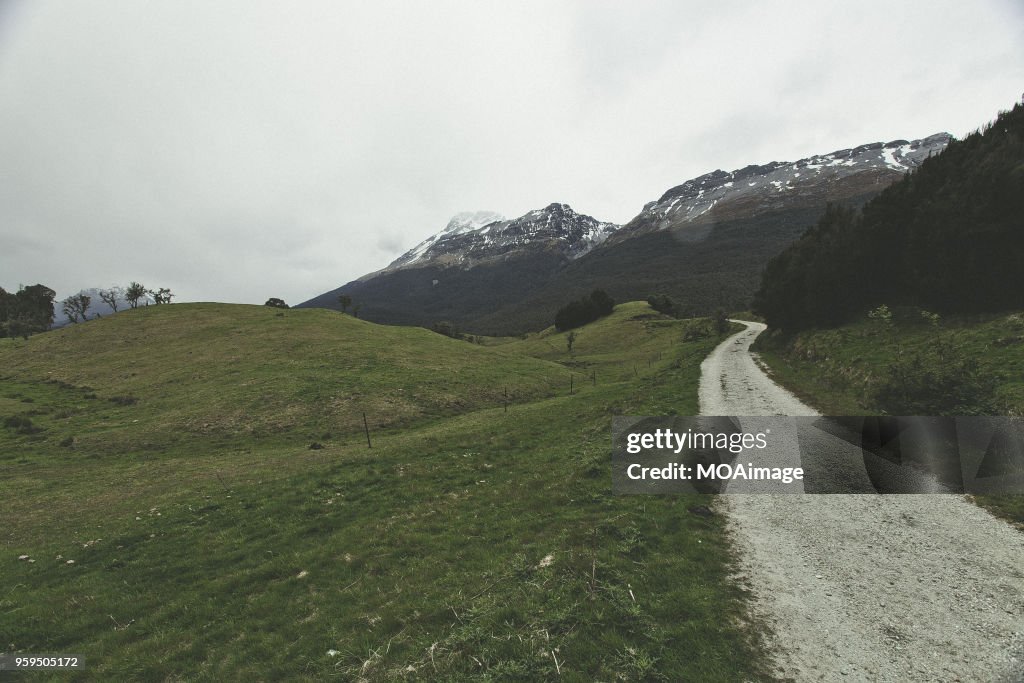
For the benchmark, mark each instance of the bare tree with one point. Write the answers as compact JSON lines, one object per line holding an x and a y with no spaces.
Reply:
{"x":112,"y":297}
{"x":344,"y":300}
{"x":69,"y":309}
{"x":76,"y":306}
{"x":570,"y":339}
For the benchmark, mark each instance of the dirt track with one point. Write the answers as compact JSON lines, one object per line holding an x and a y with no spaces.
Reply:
{"x":869,"y":587}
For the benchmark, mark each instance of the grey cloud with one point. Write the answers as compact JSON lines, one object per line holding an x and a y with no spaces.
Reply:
{"x":238,"y":150}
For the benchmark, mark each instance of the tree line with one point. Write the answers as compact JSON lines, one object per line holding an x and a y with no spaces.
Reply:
{"x":76,"y":306}
{"x":948,"y":237}
{"x":30,"y":310}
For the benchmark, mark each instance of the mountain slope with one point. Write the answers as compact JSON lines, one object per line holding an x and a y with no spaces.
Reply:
{"x":703,"y":242}
{"x":845,"y":173}
{"x":472,"y":239}
{"x":468,"y":270}
{"x":460,"y":224}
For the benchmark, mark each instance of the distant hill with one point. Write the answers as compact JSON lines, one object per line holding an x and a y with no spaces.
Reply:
{"x":949,"y":237}
{"x":704,"y":242}
{"x":202,"y":369}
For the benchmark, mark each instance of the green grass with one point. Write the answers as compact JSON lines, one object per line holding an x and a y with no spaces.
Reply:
{"x":209,"y":542}
{"x":835,"y":370}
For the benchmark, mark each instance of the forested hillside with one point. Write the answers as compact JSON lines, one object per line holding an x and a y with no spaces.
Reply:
{"x":949,"y":237}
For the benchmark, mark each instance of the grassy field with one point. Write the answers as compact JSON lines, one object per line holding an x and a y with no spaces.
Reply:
{"x":158,"y":473}
{"x":838,"y":370}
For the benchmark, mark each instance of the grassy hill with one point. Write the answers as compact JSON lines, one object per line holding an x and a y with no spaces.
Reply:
{"x":157,"y":474}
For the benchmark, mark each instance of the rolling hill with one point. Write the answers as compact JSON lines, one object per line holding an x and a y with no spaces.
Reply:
{"x":166,"y":517}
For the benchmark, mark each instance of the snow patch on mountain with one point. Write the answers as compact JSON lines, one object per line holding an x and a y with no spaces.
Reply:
{"x":695,"y":198}
{"x":471,"y":220}
{"x":473,"y":237}
{"x":466,"y":221}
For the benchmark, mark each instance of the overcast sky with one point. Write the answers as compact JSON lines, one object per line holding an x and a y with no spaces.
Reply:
{"x":234,"y":151}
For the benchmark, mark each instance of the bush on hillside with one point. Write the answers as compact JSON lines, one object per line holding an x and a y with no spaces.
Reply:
{"x":21,"y":424}
{"x":446,"y":328}
{"x":662,"y":303}
{"x":721,"y":321}
{"x":938,"y":380}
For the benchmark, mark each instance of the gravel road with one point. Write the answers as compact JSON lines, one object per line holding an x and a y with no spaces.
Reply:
{"x":917,"y":587}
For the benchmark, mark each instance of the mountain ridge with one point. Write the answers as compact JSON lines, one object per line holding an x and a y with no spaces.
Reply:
{"x":704,"y":242}
{"x":946,"y":238}
{"x":471,"y":237}
{"x":840,"y":174}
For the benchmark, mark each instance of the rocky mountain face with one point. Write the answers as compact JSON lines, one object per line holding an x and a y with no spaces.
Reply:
{"x":439,"y":243}
{"x":471,"y":239}
{"x":755,"y":189}
{"x":704,"y":242}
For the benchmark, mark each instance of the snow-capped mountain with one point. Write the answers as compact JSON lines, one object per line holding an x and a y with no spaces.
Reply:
{"x":471,"y":220}
{"x":460,"y":223}
{"x":475,"y":237}
{"x":844,"y":173}
{"x":704,"y":243}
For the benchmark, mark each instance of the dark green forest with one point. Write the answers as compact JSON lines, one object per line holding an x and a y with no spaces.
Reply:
{"x":948,"y":237}
{"x":584,"y":310}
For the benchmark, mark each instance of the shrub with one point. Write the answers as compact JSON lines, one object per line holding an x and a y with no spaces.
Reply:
{"x":662,"y":303}
{"x":938,"y":380}
{"x":447,"y":329}
{"x":696,"y":329}
{"x":721,"y":321}
{"x":21,"y":424}
{"x":881,"y":314}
